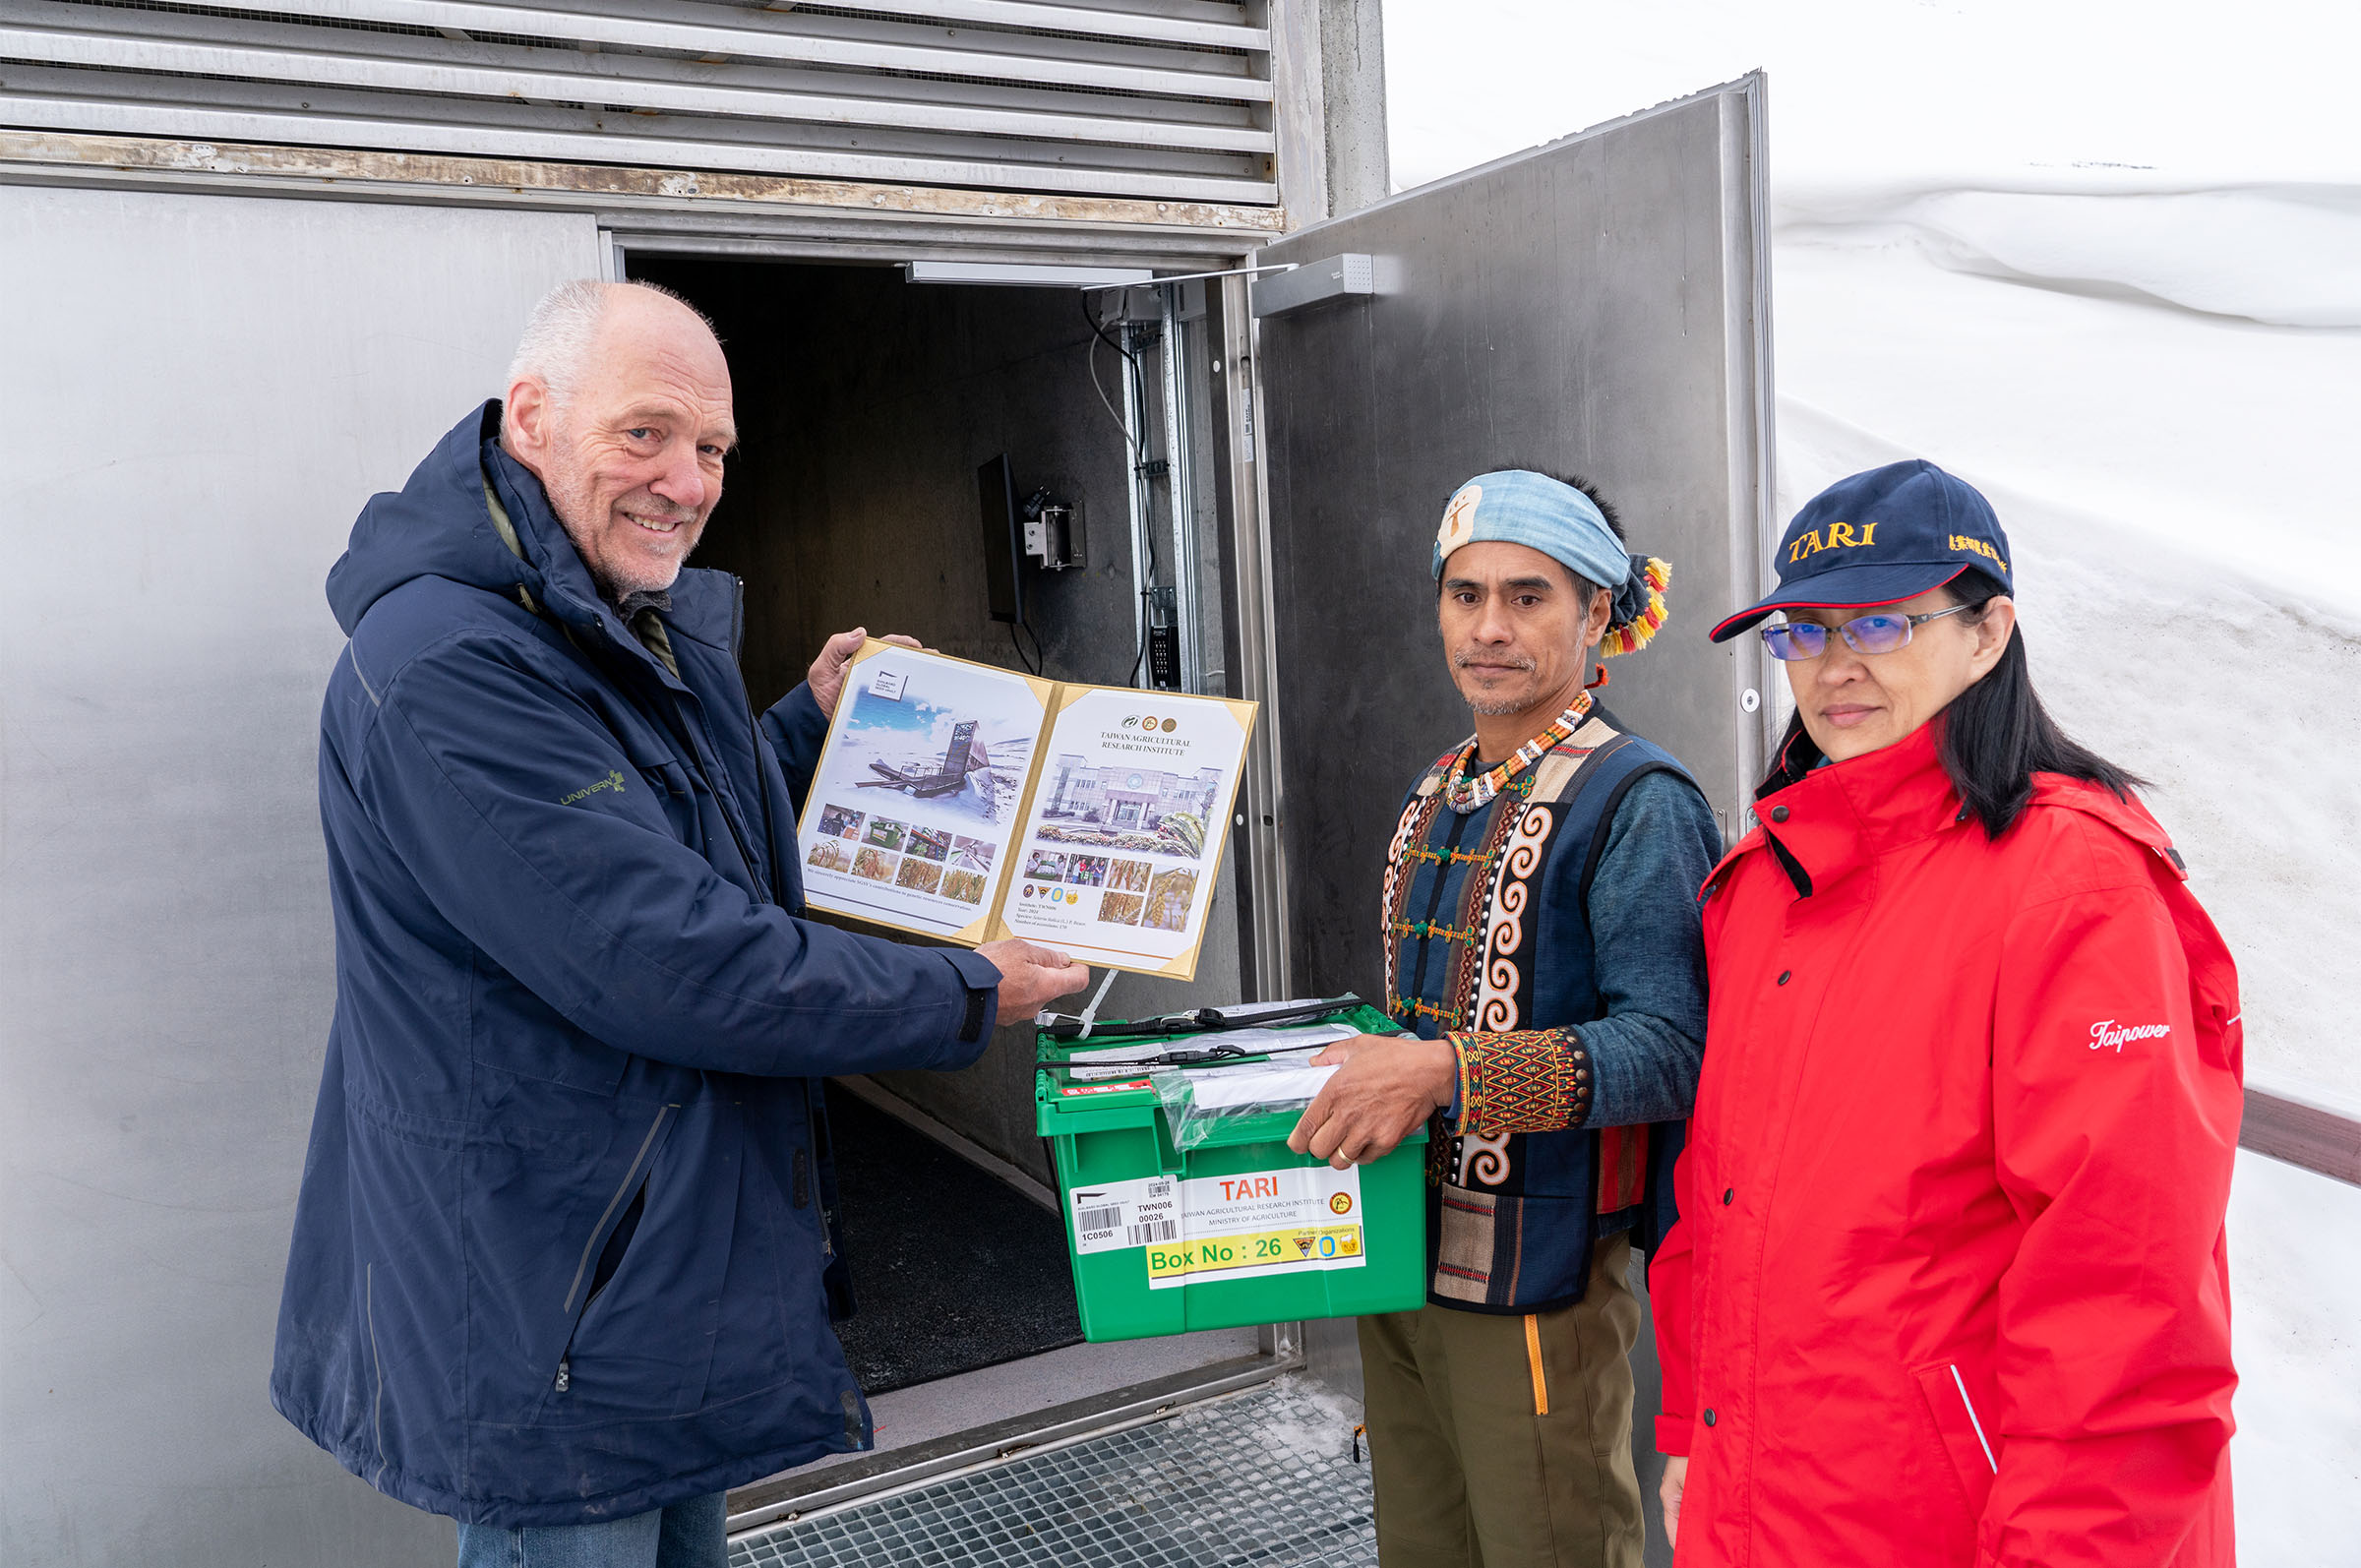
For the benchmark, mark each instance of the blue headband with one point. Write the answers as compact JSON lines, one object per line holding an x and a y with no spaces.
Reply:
{"x":1516,"y":506}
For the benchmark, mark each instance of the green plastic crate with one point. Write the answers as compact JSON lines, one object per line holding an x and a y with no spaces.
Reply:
{"x":1239,"y":1229}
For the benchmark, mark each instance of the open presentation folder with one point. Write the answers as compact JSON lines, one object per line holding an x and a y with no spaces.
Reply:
{"x":970,"y":802}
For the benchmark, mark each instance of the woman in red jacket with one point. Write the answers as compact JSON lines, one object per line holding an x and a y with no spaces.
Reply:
{"x":1949,"y":1284}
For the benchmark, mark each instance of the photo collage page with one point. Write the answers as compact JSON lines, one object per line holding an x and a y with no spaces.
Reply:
{"x":916,"y":797}
{"x":1125,"y":836}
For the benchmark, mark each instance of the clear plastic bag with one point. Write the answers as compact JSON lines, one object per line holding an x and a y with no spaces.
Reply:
{"x":1199,"y":1099}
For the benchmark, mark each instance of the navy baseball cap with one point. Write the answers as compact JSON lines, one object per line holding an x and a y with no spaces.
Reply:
{"x":1880,"y":537}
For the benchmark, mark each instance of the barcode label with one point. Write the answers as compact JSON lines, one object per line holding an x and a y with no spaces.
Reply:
{"x":1114,"y":1215}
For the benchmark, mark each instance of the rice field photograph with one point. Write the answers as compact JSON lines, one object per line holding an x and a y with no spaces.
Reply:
{"x":873,"y":864}
{"x":919,"y":876}
{"x":831,"y":855}
{"x":1127,"y":875}
{"x":967,"y":887}
{"x":1120,"y":909}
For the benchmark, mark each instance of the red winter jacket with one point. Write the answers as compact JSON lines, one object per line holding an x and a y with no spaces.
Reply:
{"x":1949,"y":1284}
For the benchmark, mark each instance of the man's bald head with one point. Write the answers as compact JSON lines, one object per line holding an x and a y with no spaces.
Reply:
{"x":619,"y":400}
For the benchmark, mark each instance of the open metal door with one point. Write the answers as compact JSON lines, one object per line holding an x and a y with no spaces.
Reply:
{"x":1598,"y":305}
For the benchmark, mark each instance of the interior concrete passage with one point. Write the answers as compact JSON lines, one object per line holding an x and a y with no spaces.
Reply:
{"x":865,"y":404}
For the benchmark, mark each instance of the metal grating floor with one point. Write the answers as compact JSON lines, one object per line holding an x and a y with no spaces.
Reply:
{"x":1264,"y":1478}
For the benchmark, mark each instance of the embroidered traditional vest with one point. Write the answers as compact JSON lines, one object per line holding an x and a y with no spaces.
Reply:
{"x":1487,"y":929}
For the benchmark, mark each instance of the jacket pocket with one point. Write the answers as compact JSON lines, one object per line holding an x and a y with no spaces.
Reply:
{"x":602,"y":1250}
{"x":675,"y":792}
{"x":1962,"y":1407}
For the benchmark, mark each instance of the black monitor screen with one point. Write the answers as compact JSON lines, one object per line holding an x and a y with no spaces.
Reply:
{"x":1003,"y":540}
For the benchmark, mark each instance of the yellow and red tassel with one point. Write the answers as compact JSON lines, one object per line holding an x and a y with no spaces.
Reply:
{"x":1633,"y":635}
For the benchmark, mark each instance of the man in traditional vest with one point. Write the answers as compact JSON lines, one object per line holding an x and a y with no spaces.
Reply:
{"x":1542,"y":941}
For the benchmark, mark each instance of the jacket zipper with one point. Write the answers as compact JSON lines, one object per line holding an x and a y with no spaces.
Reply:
{"x":1974,"y":1420}
{"x":377,"y":1410}
{"x":754,"y":730}
{"x":681,"y":733}
{"x":807,"y":1158}
{"x":632,"y":1178}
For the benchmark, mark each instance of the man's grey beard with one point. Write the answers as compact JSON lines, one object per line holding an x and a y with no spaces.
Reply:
{"x":1493,"y":707}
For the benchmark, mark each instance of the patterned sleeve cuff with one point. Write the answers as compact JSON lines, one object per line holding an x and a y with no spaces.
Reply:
{"x":1535,"y":1080}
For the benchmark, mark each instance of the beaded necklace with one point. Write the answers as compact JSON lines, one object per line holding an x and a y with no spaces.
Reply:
{"x":1464,"y":794}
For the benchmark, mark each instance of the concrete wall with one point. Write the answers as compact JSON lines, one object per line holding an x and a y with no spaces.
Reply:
{"x":865,"y":404}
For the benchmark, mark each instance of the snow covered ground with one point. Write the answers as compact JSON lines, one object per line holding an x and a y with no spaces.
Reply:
{"x":2104,"y":262}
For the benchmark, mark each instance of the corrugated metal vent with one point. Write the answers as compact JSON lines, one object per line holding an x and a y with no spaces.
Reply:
{"x":1166,"y":99}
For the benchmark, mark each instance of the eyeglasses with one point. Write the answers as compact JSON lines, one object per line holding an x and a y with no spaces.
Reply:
{"x":1883,"y":633}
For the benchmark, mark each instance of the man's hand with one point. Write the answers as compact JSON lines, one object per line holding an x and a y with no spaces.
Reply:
{"x":1668,"y":1491}
{"x":1385,"y":1087}
{"x":1031,"y":975}
{"x":826,"y":675}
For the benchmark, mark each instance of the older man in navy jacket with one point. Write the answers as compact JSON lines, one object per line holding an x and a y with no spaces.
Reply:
{"x":563,"y":1266}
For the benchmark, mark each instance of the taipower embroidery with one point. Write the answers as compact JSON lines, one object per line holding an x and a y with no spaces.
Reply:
{"x":2107,"y":1032}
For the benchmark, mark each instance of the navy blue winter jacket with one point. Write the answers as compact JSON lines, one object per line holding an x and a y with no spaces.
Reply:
{"x":562,"y":1253}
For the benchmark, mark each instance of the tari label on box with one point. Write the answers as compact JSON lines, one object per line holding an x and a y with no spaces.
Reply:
{"x":1253,"y":1225}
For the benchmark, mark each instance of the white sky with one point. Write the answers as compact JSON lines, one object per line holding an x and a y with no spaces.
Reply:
{"x":1867,"y":89}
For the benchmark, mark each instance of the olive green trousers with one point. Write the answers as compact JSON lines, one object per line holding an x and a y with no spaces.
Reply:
{"x":1505,"y":1441}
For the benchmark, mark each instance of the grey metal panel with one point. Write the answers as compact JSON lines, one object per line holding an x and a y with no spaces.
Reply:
{"x":618,"y":82}
{"x":1186,"y":22}
{"x":354,"y":114}
{"x":362,"y":43}
{"x":212,"y":386}
{"x":420,"y":135}
{"x":999,"y":102}
{"x":700,"y":29}
{"x":1592,"y":306}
